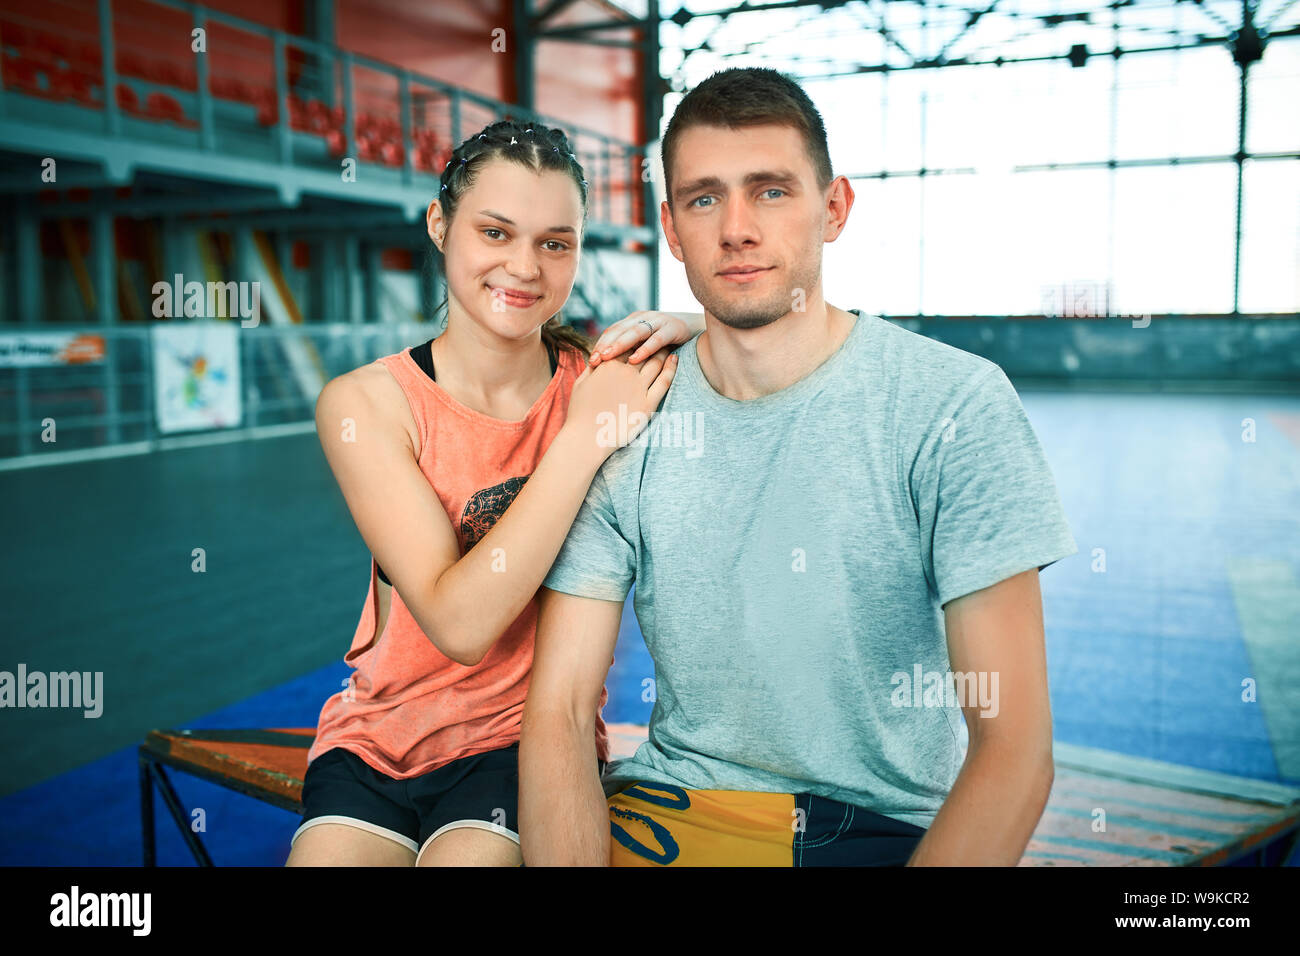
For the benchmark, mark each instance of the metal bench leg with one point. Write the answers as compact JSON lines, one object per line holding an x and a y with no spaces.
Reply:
{"x":178,"y":814}
{"x":146,"y":811}
{"x":1290,"y":855}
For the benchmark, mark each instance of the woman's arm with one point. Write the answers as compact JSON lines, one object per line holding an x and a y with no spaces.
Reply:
{"x":464,"y":604}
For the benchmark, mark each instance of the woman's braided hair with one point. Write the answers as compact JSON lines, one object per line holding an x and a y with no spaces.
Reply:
{"x":535,"y":147}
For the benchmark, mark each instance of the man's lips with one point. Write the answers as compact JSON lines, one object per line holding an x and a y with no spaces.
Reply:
{"x":750,"y":274}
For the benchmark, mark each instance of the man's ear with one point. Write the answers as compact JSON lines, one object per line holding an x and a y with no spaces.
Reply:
{"x":670,"y":234}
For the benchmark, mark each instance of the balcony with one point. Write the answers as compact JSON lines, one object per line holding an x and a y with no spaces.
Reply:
{"x":259,"y":107}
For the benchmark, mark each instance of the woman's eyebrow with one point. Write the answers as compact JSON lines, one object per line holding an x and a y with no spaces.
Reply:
{"x":509,"y":222}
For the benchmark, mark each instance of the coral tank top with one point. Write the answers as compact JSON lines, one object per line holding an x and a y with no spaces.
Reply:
{"x":407,"y":708}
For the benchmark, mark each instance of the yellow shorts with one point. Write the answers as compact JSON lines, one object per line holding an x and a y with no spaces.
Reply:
{"x":653,"y":824}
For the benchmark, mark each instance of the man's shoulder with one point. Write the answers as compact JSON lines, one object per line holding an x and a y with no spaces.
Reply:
{"x":925,"y":369}
{"x":673,"y":430}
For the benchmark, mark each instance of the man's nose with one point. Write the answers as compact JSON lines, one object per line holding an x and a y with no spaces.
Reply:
{"x":739,"y":224}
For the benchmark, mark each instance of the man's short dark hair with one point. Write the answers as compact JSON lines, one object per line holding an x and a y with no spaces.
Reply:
{"x":749,"y":96}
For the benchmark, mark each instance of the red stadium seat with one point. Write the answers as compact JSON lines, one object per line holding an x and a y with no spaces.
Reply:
{"x":129,"y":64}
{"x":15,"y":35}
{"x":22,"y":75}
{"x":164,"y":73}
{"x":127,"y":101}
{"x":160,"y":106}
{"x":51,"y":48}
{"x":74,"y":85}
{"x":89,"y":55}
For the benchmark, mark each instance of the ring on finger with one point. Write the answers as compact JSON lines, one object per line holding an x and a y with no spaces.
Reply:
{"x":647,"y":325}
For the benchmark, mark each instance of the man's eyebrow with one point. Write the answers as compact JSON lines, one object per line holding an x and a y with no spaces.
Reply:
{"x":509,"y":222}
{"x":783,"y":176}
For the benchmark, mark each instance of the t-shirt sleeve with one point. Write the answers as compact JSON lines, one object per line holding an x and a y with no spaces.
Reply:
{"x":986,"y":502}
{"x":596,"y":560}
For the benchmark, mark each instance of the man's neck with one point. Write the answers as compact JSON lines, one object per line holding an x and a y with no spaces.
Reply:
{"x":743,"y":364}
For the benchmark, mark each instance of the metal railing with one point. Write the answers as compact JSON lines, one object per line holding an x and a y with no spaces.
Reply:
{"x":111,"y":403}
{"x":261,"y":94}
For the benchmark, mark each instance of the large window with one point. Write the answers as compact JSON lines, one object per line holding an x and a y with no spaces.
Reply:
{"x":998,"y":186}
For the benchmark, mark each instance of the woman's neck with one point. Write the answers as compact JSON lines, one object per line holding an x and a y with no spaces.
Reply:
{"x":499,"y":377}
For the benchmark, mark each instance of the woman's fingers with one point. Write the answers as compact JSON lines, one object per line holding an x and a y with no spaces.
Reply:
{"x":659,"y":388}
{"x":649,"y":347}
{"x":616,"y":330}
{"x":638,"y":327}
{"x":650,"y":368}
{"x":623,"y":341}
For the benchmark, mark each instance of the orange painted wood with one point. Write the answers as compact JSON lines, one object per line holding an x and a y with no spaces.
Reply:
{"x":1145,"y":824}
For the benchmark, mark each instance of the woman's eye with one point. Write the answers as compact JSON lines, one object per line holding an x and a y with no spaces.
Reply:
{"x":486,"y":231}
{"x":556,"y":242}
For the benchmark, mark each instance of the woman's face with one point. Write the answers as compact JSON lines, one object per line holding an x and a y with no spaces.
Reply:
{"x":512,"y":250}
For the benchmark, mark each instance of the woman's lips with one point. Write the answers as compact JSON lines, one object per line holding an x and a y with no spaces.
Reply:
{"x":509,"y":298}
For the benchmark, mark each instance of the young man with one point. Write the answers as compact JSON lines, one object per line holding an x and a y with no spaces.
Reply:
{"x":827,"y":515}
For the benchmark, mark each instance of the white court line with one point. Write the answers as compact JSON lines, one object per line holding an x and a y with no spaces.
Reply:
{"x":159,"y":444}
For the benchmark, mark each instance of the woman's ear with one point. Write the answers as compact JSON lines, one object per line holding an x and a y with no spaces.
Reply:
{"x":433,"y":220}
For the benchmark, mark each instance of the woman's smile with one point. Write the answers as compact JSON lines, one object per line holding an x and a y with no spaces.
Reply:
{"x":518,"y":300}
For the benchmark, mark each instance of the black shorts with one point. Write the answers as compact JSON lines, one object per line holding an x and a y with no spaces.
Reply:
{"x":481,"y":790}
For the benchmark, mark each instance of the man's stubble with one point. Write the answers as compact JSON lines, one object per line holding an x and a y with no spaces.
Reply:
{"x":737,"y":310}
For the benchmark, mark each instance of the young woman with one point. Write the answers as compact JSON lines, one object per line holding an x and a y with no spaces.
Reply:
{"x":463,"y":462}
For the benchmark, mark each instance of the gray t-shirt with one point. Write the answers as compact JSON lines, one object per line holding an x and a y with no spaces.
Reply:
{"x":792,"y":554}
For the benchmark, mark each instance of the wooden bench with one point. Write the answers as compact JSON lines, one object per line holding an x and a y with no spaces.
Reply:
{"x":1154,"y":813}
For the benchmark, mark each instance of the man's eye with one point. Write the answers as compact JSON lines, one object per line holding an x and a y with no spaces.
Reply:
{"x":774,"y":189}
{"x":694,"y":201}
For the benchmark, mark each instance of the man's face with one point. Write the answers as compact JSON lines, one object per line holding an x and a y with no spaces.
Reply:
{"x":747,"y":199}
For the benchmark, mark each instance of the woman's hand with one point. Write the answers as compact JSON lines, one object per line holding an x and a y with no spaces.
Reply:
{"x":650,"y":330}
{"x":611,"y":403}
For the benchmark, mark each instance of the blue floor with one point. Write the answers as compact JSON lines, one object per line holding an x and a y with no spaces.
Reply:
{"x":1157,"y":655}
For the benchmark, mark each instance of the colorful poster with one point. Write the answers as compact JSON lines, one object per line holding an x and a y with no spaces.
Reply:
{"x":35,"y":349}
{"x":196,"y":376}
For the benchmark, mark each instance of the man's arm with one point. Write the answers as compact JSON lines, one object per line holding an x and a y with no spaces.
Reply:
{"x":1003,"y":786}
{"x":563,"y":818}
